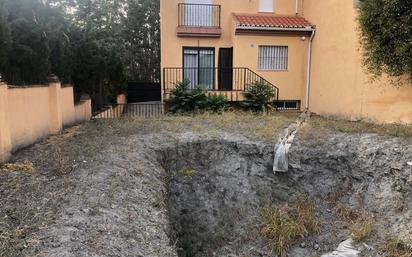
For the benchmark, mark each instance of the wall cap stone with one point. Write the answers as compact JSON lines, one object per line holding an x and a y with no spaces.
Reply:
{"x":26,"y":86}
{"x":53,"y":79}
{"x":2,"y":80}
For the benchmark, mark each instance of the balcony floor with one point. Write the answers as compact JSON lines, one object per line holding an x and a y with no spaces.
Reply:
{"x":184,"y":31}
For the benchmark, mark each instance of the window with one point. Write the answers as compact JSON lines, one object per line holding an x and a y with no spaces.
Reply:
{"x":273,"y":58}
{"x":288,"y":105}
{"x":266,"y":5}
{"x":198,"y":66}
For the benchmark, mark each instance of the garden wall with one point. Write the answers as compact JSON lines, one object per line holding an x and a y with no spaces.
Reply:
{"x":28,"y":114}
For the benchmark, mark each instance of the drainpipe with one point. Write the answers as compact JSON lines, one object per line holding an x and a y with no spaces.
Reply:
{"x":297,"y":7}
{"x":308,"y":70}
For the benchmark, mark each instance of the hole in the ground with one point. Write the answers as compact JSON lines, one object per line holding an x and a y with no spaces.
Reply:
{"x":217,"y":190}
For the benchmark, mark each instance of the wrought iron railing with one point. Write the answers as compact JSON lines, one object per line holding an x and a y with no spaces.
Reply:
{"x":199,"y":15}
{"x":131,"y":110}
{"x":214,"y":79}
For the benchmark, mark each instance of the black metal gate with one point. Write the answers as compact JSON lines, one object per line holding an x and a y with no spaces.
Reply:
{"x":138,"y":92}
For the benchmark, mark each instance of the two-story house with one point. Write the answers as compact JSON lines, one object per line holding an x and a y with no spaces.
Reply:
{"x":307,"y":50}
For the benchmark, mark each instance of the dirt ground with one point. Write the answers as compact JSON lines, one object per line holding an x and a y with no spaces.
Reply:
{"x":102,"y":188}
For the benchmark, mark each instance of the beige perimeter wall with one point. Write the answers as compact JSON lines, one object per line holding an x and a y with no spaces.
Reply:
{"x":28,"y":114}
{"x":340,"y":84}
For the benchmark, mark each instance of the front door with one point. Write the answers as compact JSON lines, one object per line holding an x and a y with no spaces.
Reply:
{"x":198,"y":67}
{"x":225,"y":71}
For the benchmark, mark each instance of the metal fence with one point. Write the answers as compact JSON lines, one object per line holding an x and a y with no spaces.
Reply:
{"x":133,"y":110}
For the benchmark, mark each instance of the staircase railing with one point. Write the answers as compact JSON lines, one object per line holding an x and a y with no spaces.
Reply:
{"x":257,"y":78}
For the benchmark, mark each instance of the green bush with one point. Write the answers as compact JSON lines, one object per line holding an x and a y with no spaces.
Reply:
{"x":217,"y":103}
{"x":184,"y":99}
{"x":258,"y":96}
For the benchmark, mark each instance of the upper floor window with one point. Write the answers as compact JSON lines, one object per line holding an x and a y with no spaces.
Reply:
{"x":266,"y":5}
{"x":273,"y":58}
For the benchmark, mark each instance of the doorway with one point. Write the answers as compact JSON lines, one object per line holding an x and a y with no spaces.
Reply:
{"x":225,"y":71}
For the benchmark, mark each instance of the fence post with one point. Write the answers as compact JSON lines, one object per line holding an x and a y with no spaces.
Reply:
{"x":5,"y":137}
{"x":88,"y":108}
{"x":56,"y":119}
{"x":121,"y":99}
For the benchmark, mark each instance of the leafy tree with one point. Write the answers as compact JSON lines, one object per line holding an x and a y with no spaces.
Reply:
{"x":142,"y":39}
{"x":98,"y":47}
{"x":28,"y":56}
{"x":386,"y":27}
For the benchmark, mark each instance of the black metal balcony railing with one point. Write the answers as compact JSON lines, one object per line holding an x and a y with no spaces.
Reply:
{"x":199,"y":15}
{"x":214,"y":79}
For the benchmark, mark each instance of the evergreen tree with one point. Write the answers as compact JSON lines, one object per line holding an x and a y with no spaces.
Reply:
{"x":5,"y":36}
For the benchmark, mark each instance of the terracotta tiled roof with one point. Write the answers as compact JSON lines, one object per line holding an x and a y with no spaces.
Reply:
{"x":271,"y":21}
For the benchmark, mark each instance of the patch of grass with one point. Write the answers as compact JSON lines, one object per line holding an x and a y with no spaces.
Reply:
{"x":395,"y":247}
{"x":325,"y":124}
{"x":283,"y":225}
{"x":360,"y":223}
{"x":400,"y":201}
{"x":185,"y":173}
{"x":95,"y":135}
{"x":26,"y":167}
{"x":362,"y":228}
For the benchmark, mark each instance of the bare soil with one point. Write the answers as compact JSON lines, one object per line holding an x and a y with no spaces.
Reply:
{"x":194,"y":186}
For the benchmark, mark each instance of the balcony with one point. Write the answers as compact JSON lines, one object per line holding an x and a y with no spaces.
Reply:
{"x":199,"y":20}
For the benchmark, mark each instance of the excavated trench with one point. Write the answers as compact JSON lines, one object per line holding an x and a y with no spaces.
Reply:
{"x":216,"y":189}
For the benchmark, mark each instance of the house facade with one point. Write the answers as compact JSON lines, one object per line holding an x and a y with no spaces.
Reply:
{"x":307,"y":50}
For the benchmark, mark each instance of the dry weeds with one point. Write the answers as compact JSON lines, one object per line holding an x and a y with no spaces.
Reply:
{"x":360,"y":223}
{"x":321,"y":126}
{"x":395,"y":247}
{"x":27,"y":167}
{"x":254,"y":126}
{"x":283,"y":225}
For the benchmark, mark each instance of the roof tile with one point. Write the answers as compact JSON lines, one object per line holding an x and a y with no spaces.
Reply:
{"x":271,"y":21}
